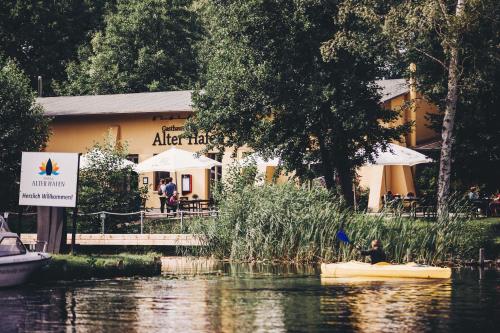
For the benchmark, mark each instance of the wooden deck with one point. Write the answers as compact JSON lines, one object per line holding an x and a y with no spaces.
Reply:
{"x":127,"y":239}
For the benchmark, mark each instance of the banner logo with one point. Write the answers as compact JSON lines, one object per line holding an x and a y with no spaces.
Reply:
{"x":49,"y":169}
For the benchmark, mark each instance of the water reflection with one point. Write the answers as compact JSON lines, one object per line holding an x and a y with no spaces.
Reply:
{"x":392,"y":304}
{"x":212,"y":296}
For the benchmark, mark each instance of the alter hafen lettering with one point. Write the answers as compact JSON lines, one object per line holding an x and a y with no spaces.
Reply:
{"x":166,"y":139}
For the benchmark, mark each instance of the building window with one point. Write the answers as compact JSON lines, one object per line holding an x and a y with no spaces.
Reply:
{"x":133,"y":158}
{"x":158,"y":175}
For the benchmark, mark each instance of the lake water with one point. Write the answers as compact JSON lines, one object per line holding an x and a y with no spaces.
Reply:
{"x":206,"y":296}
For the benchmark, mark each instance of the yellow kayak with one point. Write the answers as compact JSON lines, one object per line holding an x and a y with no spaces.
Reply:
{"x":384,"y":269}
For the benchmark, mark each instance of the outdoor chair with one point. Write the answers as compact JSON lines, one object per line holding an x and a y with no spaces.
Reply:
{"x":390,"y":206}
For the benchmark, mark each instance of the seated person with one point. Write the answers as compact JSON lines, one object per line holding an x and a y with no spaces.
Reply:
{"x":389,"y":198}
{"x":376,"y":253}
{"x":473,"y":193}
{"x":495,"y":204}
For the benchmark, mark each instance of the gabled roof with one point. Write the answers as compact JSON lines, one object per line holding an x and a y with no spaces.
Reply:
{"x":392,"y":88}
{"x":149,"y":102}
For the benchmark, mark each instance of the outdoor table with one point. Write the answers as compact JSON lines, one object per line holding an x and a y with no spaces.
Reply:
{"x":194,"y":205}
{"x":411,"y":201}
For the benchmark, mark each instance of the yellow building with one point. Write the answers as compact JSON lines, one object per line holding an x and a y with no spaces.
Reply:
{"x":399,"y":95}
{"x":150,"y":123}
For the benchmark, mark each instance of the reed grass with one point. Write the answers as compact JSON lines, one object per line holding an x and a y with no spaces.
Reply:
{"x":290,"y":223}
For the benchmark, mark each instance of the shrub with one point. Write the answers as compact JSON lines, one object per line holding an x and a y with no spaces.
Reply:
{"x":106,"y":184}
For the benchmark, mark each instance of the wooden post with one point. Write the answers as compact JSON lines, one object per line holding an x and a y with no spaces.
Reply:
{"x":182,"y":219}
{"x":73,"y":229}
{"x":481,"y":257}
{"x":142,"y":221}
{"x":103,"y":219}
{"x":19,"y":222}
{"x":75,"y":209}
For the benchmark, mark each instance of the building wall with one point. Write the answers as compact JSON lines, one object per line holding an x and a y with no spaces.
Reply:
{"x":399,"y":179}
{"x":146,"y":135}
{"x":423,"y":109}
{"x":143,"y":135}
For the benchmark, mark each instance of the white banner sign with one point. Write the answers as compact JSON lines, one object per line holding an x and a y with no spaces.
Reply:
{"x":48,"y":179}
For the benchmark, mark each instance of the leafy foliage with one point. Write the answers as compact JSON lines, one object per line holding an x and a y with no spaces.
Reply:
{"x":43,"y":36}
{"x":22,"y":128}
{"x":419,"y":34}
{"x":266,"y":85}
{"x":145,"y":46}
{"x":106,"y":184}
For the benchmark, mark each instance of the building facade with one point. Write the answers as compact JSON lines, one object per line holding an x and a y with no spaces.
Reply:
{"x":150,"y":123}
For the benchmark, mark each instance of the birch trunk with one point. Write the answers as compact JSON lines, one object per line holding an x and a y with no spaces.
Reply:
{"x":448,"y":125}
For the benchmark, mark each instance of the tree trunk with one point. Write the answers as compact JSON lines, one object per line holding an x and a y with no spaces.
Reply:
{"x":326,"y":164}
{"x":346,"y":178}
{"x":448,"y":126}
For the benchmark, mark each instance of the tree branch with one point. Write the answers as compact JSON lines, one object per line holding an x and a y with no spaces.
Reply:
{"x":432,"y":57}
{"x":443,"y":10}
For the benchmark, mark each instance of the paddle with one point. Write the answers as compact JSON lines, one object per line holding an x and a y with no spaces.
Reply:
{"x":342,"y":236}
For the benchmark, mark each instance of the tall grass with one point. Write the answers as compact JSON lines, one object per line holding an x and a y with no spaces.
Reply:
{"x":290,"y":223}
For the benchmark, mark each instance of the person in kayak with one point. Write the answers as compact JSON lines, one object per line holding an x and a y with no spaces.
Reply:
{"x":376,"y":253}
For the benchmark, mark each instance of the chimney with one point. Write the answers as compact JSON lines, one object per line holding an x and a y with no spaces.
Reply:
{"x":40,"y":87}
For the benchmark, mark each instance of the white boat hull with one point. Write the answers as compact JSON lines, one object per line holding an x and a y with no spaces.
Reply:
{"x":15,"y":270}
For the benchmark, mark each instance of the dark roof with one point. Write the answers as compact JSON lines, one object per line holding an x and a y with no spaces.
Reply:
{"x":434,"y":144}
{"x":150,"y":102}
{"x":392,"y":88}
{"x":157,"y":102}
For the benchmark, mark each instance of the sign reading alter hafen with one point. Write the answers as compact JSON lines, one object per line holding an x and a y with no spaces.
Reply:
{"x":49,"y":179}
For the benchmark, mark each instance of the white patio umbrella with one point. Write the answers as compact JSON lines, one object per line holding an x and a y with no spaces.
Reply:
{"x":85,"y":160}
{"x":398,"y":155}
{"x":260,"y":161}
{"x":175,"y":159}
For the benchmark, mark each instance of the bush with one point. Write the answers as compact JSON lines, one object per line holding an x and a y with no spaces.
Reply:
{"x":106,"y":184}
{"x":23,"y":127}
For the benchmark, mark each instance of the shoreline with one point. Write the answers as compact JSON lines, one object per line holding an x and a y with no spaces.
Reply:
{"x":101,"y":266}
{"x":67,"y":267}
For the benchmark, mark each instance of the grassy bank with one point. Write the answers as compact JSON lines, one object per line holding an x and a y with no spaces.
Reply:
{"x":71,"y":267}
{"x":284,"y":222}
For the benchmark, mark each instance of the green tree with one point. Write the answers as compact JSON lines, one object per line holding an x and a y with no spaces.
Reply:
{"x":43,"y":36}
{"x":455,"y":47}
{"x":266,"y":85}
{"x":145,"y":46}
{"x":22,"y":128}
{"x":107,"y":184}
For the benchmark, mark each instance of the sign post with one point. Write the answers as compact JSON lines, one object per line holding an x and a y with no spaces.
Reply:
{"x":75,"y":211}
{"x":50,"y":182}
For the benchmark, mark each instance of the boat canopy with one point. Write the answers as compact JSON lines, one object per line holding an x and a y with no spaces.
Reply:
{"x":10,"y":244}
{"x":4,"y":227}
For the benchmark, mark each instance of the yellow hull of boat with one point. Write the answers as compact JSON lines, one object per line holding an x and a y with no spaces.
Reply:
{"x":361,"y":269}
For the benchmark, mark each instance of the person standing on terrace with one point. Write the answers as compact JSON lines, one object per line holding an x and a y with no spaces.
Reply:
{"x":162,"y":188}
{"x":170,"y":188}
